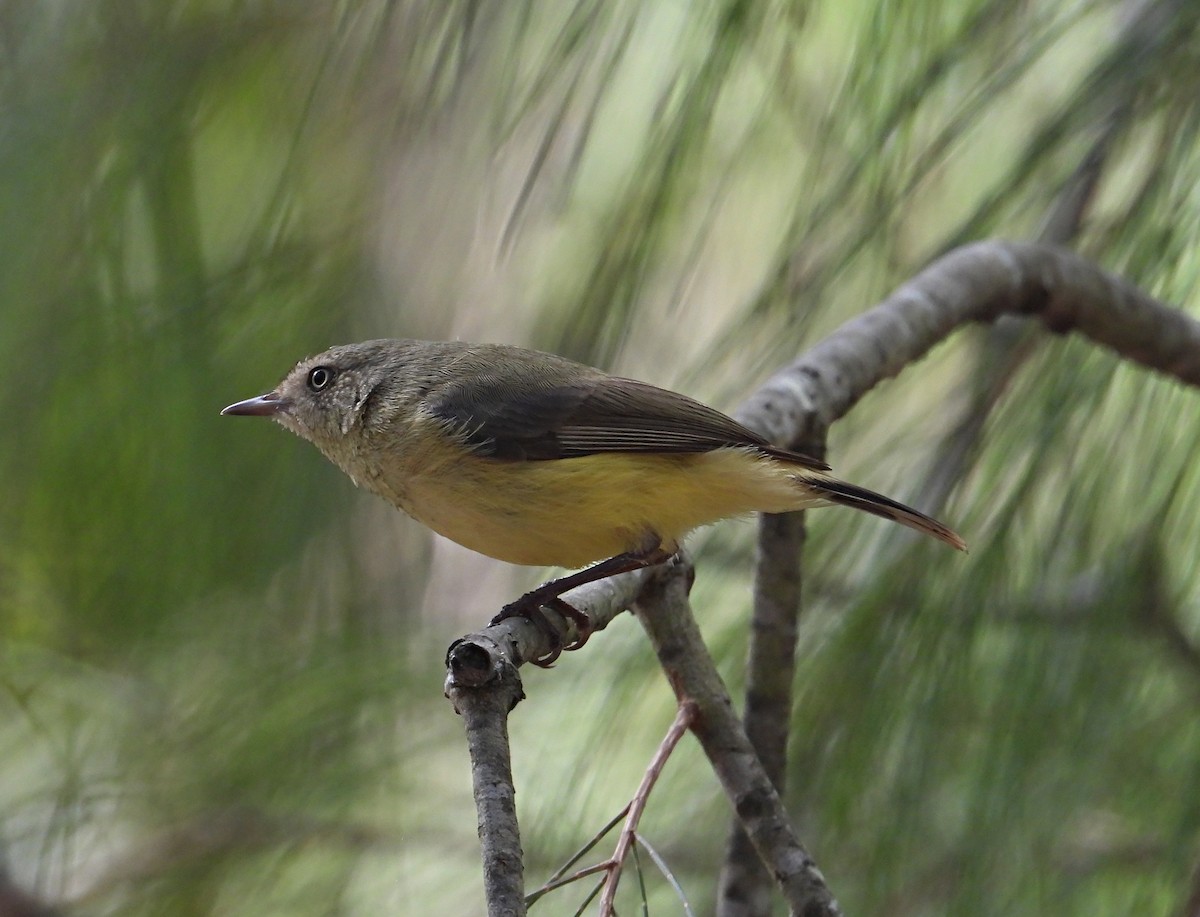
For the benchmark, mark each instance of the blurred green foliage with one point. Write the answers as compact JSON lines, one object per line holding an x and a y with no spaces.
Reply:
{"x":221,"y":666}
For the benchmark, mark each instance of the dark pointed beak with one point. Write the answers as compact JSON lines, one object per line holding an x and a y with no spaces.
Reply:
{"x":263,"y":406}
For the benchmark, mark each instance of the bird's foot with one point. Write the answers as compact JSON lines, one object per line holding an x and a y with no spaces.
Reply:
{"x":530,"y":606}
{"x":549,"y":595}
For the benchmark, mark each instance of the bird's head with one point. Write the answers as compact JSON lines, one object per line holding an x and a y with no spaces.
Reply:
{"x":331,"y":398}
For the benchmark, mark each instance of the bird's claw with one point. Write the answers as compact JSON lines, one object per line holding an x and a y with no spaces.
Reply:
{"x":530,"y":606}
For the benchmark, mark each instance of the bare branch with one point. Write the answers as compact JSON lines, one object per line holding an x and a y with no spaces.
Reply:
{"x":975,"y":283}
{"x":745,"y":887}
{"x":480,"y":658}
{"x":485,"y":715}
{"x":483,"y":684}
{"x":666,"y":616}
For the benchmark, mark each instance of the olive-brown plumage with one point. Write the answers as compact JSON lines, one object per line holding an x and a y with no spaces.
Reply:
{"x":535,"y":459}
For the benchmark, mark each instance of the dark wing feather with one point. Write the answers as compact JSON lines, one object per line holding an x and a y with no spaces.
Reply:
{"x":515,"y":404}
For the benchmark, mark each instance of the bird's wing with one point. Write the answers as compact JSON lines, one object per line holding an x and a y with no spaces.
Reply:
{"x":507,"y":407}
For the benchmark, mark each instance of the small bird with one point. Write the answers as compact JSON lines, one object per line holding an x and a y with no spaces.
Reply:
{"x":535,"y":459}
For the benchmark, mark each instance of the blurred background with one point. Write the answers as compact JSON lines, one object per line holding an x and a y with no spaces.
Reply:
{"x":220,"y":665}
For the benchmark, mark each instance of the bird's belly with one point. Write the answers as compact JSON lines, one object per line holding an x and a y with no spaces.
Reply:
{"x":570,"y":512}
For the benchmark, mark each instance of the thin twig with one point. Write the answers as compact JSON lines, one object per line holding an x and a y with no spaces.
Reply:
{"x":667,"y":874}
{"x":641,"y":878}
{"x":631,"y":813}
{"x":557,"y":880}
{"x":590,"y":898}
{"x":684,"y":717}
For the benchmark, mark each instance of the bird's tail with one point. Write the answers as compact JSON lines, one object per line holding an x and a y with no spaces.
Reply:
{"x":844,"y":494}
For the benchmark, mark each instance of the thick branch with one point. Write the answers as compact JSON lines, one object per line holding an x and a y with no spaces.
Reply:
{"x":483,"y":684}
{"x":485,"y":717}
{"x":799,"y":404}
{"x":666,"y":615}
{"x":975,"y":283}
{"x":745,"y":887}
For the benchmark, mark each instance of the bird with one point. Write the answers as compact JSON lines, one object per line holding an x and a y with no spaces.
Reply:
{"x":534,"y":459}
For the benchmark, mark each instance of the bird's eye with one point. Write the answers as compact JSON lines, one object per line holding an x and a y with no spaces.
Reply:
{"x":319,"y":377}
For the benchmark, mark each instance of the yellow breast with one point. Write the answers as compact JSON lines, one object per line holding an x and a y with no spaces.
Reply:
{"x":570,"y":512}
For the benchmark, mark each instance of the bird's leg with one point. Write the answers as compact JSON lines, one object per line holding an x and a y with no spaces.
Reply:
{"x":550,"y":595}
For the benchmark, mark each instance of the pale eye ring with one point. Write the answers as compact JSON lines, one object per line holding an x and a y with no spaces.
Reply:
{"x":321,"y":377}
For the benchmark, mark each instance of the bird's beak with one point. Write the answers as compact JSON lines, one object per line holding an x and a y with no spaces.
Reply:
{"x":263,"y":406}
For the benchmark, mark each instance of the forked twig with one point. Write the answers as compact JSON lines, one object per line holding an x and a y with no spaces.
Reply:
{"x":632,"y":814}
{"x":684,"y":718}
